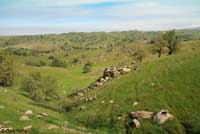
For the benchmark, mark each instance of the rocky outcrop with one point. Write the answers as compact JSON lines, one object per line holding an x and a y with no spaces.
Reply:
{"x":142,"y":115}
{"x":27,"y":128}
{"x":162,"y":116}
{"x":28,"y":112}
{"x":24,"y":118}
{"x":108,"y":74}
{"x":52,"y":126}
{"x":134,"y":117}
{"x":136,"y":123}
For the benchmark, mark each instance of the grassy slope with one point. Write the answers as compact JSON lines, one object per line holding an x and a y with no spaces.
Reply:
{"x":16,"y":104}
{"x":172,"y":83}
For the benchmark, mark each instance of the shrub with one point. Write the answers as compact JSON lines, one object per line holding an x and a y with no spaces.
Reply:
{"x":40,"y":88}
{"x":7,"y":72}
{"x":159,"y":44}
{"x":58,"y":63}
{"x":87,"y":67}
{"x":75,"y":60}
{"x":36,"y":63}
{"x":172,"y":41}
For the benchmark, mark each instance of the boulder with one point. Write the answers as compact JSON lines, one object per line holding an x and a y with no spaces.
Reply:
{"x":52,"y":126}
{"x":83,"y":107}
{"x":24,"y":118}
{"x":44,"y":114}
{"x":6,"y":129}
{"x":27,"y":128}
{"x":136,"y":123}
{"x":141,"y":114}
{"x":39,"y":116}
{"x":28,"y":112}
{"x":135,"y":103}
{"x":162,"y":116}
{"x":111,"y":101}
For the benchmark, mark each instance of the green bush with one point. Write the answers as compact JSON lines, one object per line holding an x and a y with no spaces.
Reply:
{"x":87,"y":67}
{"x":7,"y":72}
{"x":58,"y":63}
{"x":40,"y":88}
{"x":36,"y":63}
{"x":76,"y":60}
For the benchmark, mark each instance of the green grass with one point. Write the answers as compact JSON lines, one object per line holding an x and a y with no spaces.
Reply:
{"x":172,"y":83}
{"x":175,"y":87}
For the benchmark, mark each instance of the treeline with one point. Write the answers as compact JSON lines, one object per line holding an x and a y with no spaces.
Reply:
{"x":25,"y":51}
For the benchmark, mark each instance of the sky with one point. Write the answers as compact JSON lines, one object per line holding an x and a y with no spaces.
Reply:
{"x":28,"y":17}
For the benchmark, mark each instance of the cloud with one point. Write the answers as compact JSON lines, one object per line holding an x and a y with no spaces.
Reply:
{"x":50,"y":16}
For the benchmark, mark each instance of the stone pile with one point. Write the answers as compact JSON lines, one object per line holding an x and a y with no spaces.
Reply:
{"x":160,"y":117}
{"x":108,"y":74}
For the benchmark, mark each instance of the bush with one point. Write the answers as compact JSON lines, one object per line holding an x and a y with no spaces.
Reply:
{"x":19,"y":51}
{"x":87,"y":67}
{"x":76,"y":60}
{"x":40,"y":88}
{"x":58,"y":63}
{"x":7,"y":72}
{"x":36,"y":63}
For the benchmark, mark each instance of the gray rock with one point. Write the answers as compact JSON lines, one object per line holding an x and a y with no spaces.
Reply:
{"x":142,"y":114}
{"x":136,"y":123}
{"x":24,"y":118}
{"x":162,"y":116}
{"x":27,"y":128}
{"x":28,"y":112}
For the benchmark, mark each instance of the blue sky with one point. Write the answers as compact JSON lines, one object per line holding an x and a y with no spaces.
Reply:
{"x":20,"y":17}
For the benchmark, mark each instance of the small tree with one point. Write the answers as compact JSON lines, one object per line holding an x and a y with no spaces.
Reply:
{"x":159,"y":44}
{"x":40,"y":88}
{"x":172,"y":41}
{"x":7,"y":72}
{"x":58,"y":63}
{"x":87,"y":67}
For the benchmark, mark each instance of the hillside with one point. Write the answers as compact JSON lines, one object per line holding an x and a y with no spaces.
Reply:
{"x":75,"y":61}
{"x":169,"y":83}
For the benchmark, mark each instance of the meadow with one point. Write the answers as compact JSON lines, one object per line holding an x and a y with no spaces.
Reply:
{"x":168,"y":82}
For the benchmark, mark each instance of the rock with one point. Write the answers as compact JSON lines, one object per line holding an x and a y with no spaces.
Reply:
{"x":27,"y":128}
{"x":24,"y":118}
{"x":119,"y":118}
{"x":162,"y":116}
{"x":111,"y":101}
{"x":6,"y":129}
{"x":82,"y":107}
{"x":39,"y":116}
{"x":125,"y":70}
{"x":52,"y":126}
{"x":141,"y":114}
{"x":135,"y":103}
{"x":136,"y":123}
{"x":44,"y":114}
{"x":28,"y":112}
{"x":2,"y":107}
